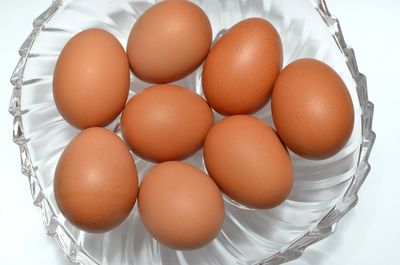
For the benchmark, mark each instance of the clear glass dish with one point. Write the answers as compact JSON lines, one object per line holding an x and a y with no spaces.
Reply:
{"x":323,"y":190}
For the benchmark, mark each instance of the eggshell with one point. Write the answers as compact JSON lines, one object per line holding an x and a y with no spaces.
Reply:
{"x":241,"y":68}
{"x":248,"y":162}
{"x":91,"y":79}
{"x":95,"y":182}
{"x":169,"y":41}
{"x":180,"y":205}
{"x":312,"y":109}
{"x":166,"y":122}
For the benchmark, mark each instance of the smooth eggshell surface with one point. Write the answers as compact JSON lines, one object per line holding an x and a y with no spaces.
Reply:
{"x":95,"y":182}
{"x":166,"y":122}
{"x":312,"y":109}
{"x":180,"y":205}
{"x":248,"y":162}
{"x":91,"y":79}
{"x":169,"y":41}
{"x":241,"y":68}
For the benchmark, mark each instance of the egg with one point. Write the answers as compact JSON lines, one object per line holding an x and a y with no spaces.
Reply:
{"x":91,"y":79}
{"x":247,"y":160}
{"x":169,"y":41}
{"x":241,"y":68}
{"x":180,"y":205}
{"x":166,"y":122}
{"x":312,"y":109}
{"x":95,"y":181}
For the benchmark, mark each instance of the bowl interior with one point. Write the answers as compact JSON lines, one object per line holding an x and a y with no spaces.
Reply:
{"x":248,"y":236}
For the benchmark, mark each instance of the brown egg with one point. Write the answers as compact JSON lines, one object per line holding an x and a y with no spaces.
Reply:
{"x":241,"y":68}
{"x":166,"y":122}
{"x":248,"y":162}
{"x":180,"y":205}
{"x":312,"y":109}
{"x":169,"y":41}
{"x":95,"y":182}
{"x":91,"y":79}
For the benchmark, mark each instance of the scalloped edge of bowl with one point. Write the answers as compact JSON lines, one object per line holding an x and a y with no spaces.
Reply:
{"x":326,"y":226}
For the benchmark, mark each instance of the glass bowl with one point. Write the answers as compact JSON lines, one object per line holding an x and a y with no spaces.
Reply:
{"x":323,"y":190}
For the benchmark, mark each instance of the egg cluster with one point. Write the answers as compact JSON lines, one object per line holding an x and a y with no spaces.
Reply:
{"x":96,"y":182}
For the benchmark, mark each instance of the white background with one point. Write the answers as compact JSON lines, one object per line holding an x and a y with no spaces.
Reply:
{"x":368,"y":235}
